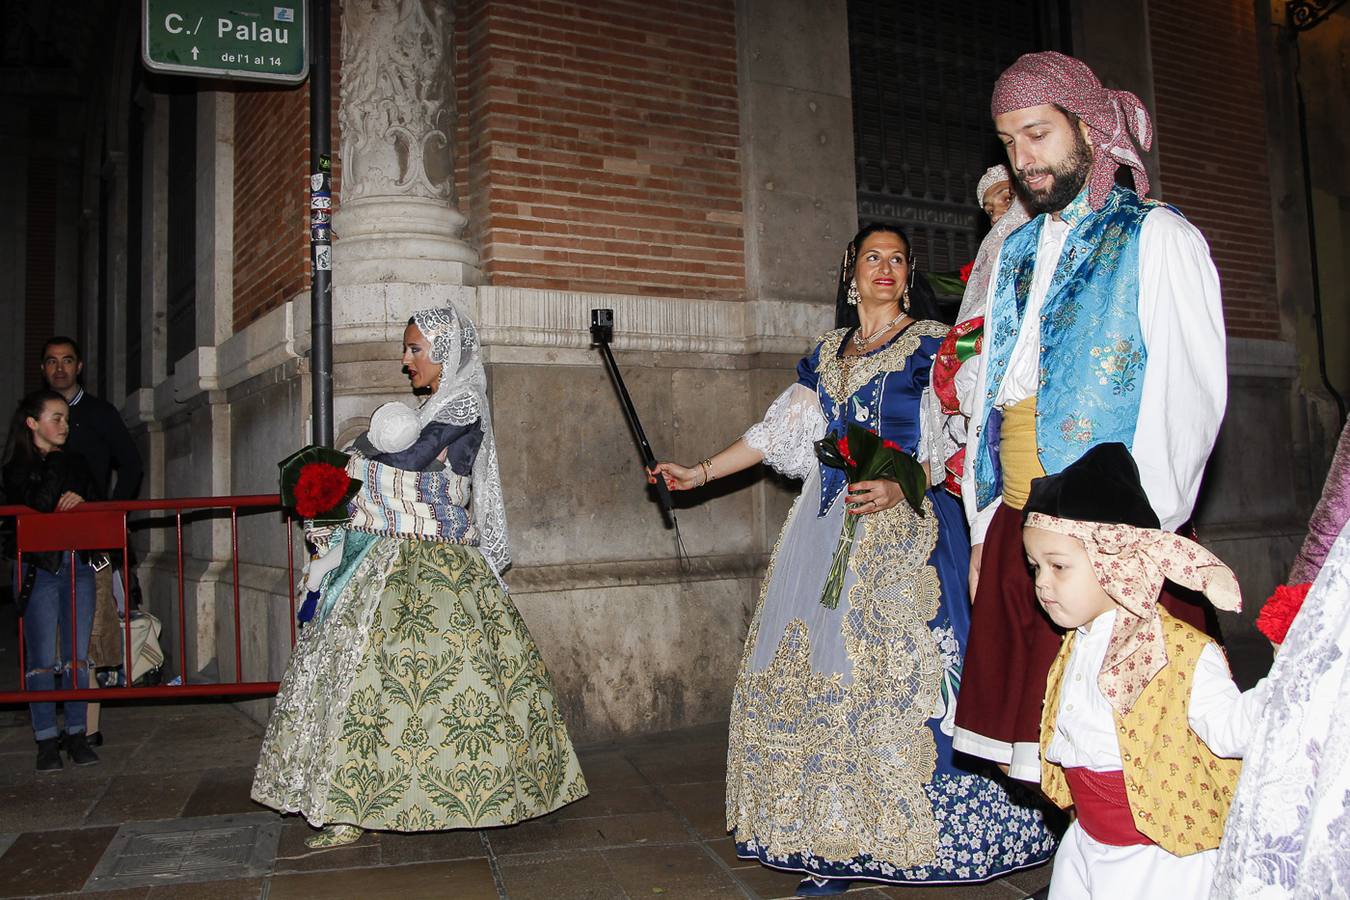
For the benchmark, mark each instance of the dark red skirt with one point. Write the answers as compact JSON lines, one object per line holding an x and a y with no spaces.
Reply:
{"x":1012,"y":641}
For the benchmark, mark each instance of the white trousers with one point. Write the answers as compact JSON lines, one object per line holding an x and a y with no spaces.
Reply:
{"x":1086,"y":869}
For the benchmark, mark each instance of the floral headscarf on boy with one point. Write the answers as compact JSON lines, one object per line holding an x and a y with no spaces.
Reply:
{"x":1099,"y":501}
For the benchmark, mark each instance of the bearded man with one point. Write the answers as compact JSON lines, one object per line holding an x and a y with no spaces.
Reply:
{"x":1104,"y":324}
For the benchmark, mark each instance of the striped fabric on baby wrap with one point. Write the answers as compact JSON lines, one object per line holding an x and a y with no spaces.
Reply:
{"x":398,"y":503}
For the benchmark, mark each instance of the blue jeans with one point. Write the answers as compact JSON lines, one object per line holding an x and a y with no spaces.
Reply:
{"x":46,"y":639}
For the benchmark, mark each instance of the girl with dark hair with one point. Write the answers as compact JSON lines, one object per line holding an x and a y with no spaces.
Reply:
{"x":38,"y":474}
{"x":840,"y":764}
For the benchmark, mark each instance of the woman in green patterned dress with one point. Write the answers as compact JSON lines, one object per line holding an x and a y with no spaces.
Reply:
{"x":415,"y":699}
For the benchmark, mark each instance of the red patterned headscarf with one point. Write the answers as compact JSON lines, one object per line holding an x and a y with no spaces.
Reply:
{"x":1118,"y":119}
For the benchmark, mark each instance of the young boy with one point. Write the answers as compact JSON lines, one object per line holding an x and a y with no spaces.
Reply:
{"x":1142,"y":725}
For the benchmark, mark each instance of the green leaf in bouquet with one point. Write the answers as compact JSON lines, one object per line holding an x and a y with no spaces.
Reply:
{"x":946,"y":283}
{"x":827,"y":451}
{"x":866,"y":449}
{"x":910,"y":476}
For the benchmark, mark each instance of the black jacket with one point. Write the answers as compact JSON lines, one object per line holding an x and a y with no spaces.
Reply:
{"x":98,"y":434}
{"x":39,"y":484}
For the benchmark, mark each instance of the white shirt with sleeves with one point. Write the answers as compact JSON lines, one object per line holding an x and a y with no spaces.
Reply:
{"x":1085,"y":727}
{"x":1185,"y":384}
{"x":1085,"y":736}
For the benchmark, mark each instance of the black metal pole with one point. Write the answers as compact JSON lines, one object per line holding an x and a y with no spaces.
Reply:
{"x":600,"y":335}
{"x":320,"y":230}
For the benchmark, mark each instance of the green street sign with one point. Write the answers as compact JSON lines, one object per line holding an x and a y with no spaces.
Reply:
{"x":241,"y":39}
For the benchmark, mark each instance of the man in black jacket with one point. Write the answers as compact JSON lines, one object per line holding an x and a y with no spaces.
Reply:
{"x":97,"y":434}
{"x":96,"y":429}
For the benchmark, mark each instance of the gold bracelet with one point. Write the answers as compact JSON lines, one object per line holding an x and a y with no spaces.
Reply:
{"x":707,"y":471}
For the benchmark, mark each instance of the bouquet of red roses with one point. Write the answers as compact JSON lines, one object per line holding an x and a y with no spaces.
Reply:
{"x":315,"y":484}
{"x":864,"y":456}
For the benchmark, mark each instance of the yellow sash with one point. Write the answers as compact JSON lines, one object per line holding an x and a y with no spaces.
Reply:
{"x":1017,"y":452}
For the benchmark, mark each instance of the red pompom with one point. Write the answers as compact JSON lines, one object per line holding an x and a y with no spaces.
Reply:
{"x":1279,"y":611}
{"x":320,"y":487}
{"x":966,"y":270}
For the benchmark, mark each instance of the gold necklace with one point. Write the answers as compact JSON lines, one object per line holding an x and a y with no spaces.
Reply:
{"x":860,"y":341}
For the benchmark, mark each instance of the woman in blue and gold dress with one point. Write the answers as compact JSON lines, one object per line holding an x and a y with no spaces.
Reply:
{"x":840,"y":763}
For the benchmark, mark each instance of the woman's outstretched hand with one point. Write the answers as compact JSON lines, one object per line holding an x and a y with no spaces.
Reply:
{"x":867,"y":497}
{"x":677,"y":477}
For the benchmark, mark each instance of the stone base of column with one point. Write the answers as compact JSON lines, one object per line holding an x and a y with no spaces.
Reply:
{"x":414,"y":240}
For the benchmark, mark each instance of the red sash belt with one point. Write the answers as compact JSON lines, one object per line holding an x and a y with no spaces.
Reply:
{"x":1103,"y":807}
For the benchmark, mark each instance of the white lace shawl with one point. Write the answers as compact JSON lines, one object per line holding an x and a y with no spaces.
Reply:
{"x":461,"y":399}
{"x":1288,"y":831}
{"x":976,"y":294}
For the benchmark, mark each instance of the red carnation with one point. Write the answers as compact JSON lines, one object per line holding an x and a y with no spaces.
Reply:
{"x":1279,"y":611}
{"x":965,"y":271}
{"x":320,"y":487}
{"x":892,"y":445}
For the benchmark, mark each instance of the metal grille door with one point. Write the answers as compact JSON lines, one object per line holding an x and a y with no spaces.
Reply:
{"x":922,"y":77}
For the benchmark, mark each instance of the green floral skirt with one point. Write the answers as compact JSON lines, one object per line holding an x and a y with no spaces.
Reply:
{"x":419,"y":703}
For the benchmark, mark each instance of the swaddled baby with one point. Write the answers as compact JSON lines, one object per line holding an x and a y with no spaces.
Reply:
{"x":393,"y":428}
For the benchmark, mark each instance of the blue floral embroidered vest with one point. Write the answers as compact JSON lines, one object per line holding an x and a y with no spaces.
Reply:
{"x":1092,"y":352}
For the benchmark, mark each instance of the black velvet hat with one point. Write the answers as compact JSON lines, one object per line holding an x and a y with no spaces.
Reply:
{"x":1102,"y":486}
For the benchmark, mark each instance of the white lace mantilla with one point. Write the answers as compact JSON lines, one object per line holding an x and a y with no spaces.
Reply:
{"x":460,"y":400}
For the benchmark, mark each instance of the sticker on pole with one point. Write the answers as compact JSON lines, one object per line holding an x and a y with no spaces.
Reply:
{"x":323,"y":258}
{"x":236,"y":39}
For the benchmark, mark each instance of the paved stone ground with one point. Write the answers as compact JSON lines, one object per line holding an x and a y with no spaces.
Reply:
{"x":652,"y":827}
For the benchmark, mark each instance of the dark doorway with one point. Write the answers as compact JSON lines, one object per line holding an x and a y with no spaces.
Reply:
{"x":922,"y":76}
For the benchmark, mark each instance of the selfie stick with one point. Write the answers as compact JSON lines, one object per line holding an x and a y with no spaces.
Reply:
{"x":602,"y":332}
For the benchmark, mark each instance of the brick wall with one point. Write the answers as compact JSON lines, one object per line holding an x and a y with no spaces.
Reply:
{"x":598,"y":145}
{"x":1211,"y":128}
{"x":271,"y":190}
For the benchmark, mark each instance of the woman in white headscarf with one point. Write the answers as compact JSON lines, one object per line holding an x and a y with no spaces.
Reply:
{"x":415,"y":699}
{"x":953,"y":380}
{"x":1006,"y":213}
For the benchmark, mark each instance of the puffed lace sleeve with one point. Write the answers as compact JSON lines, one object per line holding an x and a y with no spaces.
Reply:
{"x":788,"y":432}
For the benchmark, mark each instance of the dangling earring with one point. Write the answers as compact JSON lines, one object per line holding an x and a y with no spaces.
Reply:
{"x":904,"y":300}
{"x":853,"y":295}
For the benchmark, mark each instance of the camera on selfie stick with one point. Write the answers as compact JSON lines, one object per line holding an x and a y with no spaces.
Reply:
{"x":602,"y":332}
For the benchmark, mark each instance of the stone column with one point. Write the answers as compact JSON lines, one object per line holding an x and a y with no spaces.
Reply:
{"x":397,"y":220}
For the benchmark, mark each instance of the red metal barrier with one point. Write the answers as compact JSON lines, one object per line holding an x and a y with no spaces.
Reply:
{"x":102,"y":526}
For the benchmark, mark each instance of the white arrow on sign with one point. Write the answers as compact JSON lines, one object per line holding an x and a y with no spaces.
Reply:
{"x":194,"y":53}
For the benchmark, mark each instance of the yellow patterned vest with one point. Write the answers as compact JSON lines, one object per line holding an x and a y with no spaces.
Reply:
{"x":1179,"y":791}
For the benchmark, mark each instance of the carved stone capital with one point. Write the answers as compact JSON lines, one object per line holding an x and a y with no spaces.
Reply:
{"x":397,"y":219}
